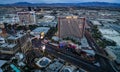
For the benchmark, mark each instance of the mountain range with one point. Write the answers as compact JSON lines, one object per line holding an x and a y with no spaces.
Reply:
{"x":96,"y":4}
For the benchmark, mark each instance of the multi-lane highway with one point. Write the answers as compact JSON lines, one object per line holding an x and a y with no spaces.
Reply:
{"x":101,"y":56}
{"x":74,"y":60}
{"x":77,"y":60}
{"x":70,"y":57}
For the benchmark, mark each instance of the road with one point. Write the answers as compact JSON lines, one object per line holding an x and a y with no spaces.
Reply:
{"x":5,"y":56}
{"x":74,"y":60}
{"x":115,"y":27}
{"x":69,"y":57}
{"x":104,"y":61}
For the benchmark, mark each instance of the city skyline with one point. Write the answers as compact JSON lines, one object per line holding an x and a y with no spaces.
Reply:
{"x":56,"y":1}
{"x":59,"y":36}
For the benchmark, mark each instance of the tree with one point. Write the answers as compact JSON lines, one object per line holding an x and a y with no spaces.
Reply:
{"x":32,"y":27}
{"x":54,"y":12}
{"x":40,"y":16}
{"x":51,"y":32}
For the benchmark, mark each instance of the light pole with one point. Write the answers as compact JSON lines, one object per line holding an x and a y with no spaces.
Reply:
{"x":42,"y":35}
{"x":43,"y":49}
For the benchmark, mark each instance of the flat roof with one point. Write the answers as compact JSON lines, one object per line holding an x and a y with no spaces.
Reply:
{"x":110,"y":53}
{"x":95,"y":22}
{"x":2,"y":62}
{"x":108,"y":31}
{"x":43,"y":62}
{"x":26,"y":12}
{"x":55,"y":66}
{"x":116,"y":51}
{"x":38,"y":30}
{"x":6,"y":45}
{"x":68,"y":68}
{"x":18,"y":35}
{"x":111,"y":34}
{"x":91,"y":52}
{"x":14,"y":68}
{"x":108,"y":20}
{"x":41,"y":29}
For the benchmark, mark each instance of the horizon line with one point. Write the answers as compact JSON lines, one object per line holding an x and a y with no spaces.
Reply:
{"x":60,"y":2}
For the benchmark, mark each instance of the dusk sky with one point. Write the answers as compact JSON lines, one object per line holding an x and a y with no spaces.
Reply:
{"x":56,"y":1}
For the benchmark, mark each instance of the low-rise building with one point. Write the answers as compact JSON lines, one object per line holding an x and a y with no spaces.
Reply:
{"x":43,"y":62}
{"x":10,"y":68}
{"x":47,"y":20}
{"x":68,"y":68}
{"x":55,"y":66}
{"x":95,"y":22}
{"x":9,"y":48}
{"x":110,"y":34}
{"x":114,"y":55}
{"x":116,"y":51}
{"x":10,"y":19}
{"x":55,"y":38}
{"x":18,"y":38}
{"x":37,"y":32}
{"x":14,"y":43}
{"x":2,"y":62}
{"x":2,"y":25}
{"x":2,"y":40}
{"x":111,"y":55}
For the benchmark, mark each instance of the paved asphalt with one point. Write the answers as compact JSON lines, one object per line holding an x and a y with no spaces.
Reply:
{"x":104,"y":62}
{"x":69,"y":57}
{"x":74,"y":60}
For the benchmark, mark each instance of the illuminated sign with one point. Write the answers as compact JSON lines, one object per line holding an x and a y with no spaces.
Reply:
{"x":69,"y":17}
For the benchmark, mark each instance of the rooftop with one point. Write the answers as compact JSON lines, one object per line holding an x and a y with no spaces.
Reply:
{"x":110,"y":53}
{"x":14,"y":68}
{"x":38,"y":30}
{"x":46,"y":19}
{"x":2,"y":62}
{"x":25,"y":12}
{"x":55,"y":66}
{"x":116,"y":51}
{"x":68,"y":68}
{"x":111,"y":34}
{"x":6,"y":45}
{"x":17,"y":36}
{"x":89,"y":52}
{"x":43,"y":62}
{"x":2,"y":40}
{"x":94,"y":22}
{"x":84,"y":42}
{"x":107,"y":20}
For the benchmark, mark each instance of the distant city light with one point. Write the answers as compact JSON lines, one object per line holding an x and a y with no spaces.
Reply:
{"x":68,"y":17}
{"x":75,"y":17}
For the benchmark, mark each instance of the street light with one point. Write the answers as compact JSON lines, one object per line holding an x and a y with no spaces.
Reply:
{"x":43,"y":48}
{"x":42,"y":35}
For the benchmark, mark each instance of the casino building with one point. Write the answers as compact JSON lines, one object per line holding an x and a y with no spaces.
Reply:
{"x":71,"y":26}
{"x":27,"y":18}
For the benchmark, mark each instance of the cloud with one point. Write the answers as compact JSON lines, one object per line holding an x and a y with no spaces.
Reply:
{"x":56,"y":1}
